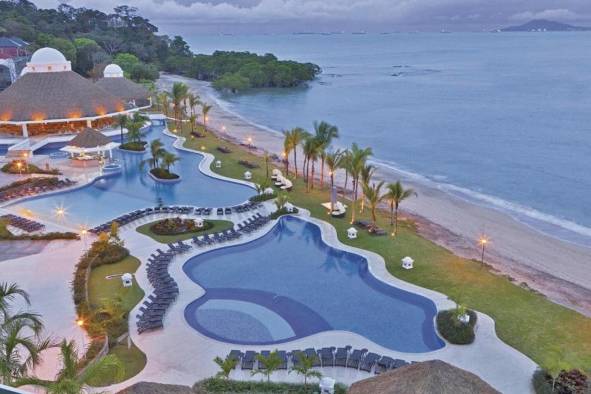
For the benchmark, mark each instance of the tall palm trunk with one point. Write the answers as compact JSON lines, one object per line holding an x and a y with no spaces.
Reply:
{"x":312,"y":178}
{"x":396,"y":219}
{"x":391,"y":213}
{"x":330,"y":191}
{"x":346,"y":182}
{"x":295,"y":161}
{"x":322,"y":172}
{"x":354,"y":180}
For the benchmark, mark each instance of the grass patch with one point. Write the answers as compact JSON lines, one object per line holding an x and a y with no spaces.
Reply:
{"x":133,"y":359}
{"x":162,"y":173}
{"x":22,"y":167}
{"x":218,"y":225}
{"x":134,"y":146}
{"x":541,"y":329}
{"x":100,"y":288}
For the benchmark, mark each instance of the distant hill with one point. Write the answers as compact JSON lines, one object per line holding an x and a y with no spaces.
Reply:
{"x":545,"y":25}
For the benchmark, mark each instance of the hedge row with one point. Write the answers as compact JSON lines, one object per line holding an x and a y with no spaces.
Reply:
{"x":215,"y":385}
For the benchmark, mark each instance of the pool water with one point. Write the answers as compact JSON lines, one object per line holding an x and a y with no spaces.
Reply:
{"x":289,"y":284}
{"x":133,"y":189}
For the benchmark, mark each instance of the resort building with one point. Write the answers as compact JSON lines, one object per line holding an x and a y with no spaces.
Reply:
{"x":13,"y":53}
{"x":130,"y":92}
{"x":50,"y":98}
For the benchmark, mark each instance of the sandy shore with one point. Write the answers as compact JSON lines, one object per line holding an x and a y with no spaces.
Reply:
{"x":560,"y":270}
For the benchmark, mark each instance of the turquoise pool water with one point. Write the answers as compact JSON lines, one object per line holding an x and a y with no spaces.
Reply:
{"x":132,"y":189}
{"x":289,"y":284}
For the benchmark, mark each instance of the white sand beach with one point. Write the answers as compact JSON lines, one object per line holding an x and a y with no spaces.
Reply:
{"x":560,"y":270}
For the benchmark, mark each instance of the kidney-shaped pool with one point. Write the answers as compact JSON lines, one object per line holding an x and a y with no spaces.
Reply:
{"x":289,"y":284}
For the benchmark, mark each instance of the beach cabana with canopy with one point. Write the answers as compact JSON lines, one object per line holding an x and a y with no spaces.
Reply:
{"x":50,"y":98}
{"x":89,"y":144}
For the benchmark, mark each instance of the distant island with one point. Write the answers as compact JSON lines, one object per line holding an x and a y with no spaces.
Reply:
{"x":541,"y":25}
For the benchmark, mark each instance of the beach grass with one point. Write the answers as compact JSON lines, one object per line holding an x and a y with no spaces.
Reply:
{"x":546,"y":332}
{"x":218,"y":225}
{"x":101,"y":289}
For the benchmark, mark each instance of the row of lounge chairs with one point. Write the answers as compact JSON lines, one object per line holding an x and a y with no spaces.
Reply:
{"x":223,"y":236}
{"x":178,"y":210}
{"x":373,"y":230}
{"x":254,"y":223}
{"x":27,"y":190}
{"x":24,"y":224}
{"x":322,"y":358}
{"x":166,"y":290}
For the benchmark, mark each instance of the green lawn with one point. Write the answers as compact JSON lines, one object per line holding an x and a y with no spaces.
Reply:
{"x":218,"y":225}
{"x":100,"y":288}
{"x":546,"y":332}
{"x":133,"y":360}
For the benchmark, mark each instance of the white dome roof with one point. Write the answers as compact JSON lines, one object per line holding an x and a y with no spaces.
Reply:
{"x":113,"y":71}
{"x":47,"y":56}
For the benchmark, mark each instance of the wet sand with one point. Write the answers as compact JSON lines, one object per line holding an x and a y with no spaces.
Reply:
{"x":558,"y":269}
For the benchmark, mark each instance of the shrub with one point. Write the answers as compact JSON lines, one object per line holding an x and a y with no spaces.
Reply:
{"x":281,"y":212}
{"x":176,"y":226}
{"x":214,"y":385}
{"x":454,"y":330}
{"x":263,"y":197}
{"x":27,"y":168}
{"x":134,"y":146}
{"x":567,"y":382}
{"x":162,"y":173}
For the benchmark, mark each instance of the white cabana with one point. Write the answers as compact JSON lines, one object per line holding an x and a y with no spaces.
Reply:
{"x":289,"y":207}
{"x":127,"y":280}
{"x":248,"y":175}
{"x":218,"y":164}
{"x":89,"y":144}
{"x":407,"y":263}
{"x":199,"y":222}
{"x":352,"y":233}
{"x":276,"y":173}
{"x":338,"y":209}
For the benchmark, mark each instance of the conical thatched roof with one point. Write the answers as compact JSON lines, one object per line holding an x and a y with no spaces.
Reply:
{"x":123,"y":88}
{"x":55,"y":95}
{"x":89,"y":138}
{"x":427,"y":377}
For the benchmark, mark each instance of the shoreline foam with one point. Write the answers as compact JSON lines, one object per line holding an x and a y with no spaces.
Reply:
{"x":549,"y":265}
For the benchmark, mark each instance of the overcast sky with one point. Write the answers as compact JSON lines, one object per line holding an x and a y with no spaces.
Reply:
{"x":268,"y":16}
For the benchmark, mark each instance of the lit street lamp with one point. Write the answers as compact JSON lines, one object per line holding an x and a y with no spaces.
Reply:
{"x":483,"y":241}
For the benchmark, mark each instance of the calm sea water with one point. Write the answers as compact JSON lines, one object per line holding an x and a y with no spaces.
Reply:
{"x":502,"y":119}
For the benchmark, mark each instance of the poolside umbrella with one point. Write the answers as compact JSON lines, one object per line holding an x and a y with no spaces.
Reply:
{"x":427,"y":377}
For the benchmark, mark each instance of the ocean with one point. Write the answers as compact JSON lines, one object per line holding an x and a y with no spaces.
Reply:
{"x":500,"y":119}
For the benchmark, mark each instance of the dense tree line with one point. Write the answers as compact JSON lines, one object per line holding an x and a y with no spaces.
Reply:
{"x":90,"y":39}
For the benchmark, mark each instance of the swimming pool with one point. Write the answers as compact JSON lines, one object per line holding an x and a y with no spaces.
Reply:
{"x":132,"y":189}
{"x":289,"y":284}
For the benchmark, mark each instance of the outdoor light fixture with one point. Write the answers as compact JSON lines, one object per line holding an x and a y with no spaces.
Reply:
{"x":482,"y":241}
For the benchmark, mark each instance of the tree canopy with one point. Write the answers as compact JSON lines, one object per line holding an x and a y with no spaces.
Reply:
{"x":91,"y":39}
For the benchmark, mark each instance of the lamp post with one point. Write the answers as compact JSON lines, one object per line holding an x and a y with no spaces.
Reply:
{"x":249,"y":140}
{"x":483,"y":241}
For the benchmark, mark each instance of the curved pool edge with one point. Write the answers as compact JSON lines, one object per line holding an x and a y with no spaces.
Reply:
{"x":374,"y":261}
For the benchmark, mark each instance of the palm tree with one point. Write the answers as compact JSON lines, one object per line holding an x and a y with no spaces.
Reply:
{"x":205,"y":108}
{"x":134,"y":126}
{"x":287,"y":148}
{"x":193,"y":120}
{"x":395,"y":195}
{"x":226,"y":366}
{"x":162,"y":98}
{"x":310,"y":148}
{"x":297,"y":136}
{"x":19,"y":351}
{"x":194,"y":101}
{"x":357,"y":163}
{"x":156,"y":150}
{"x":8,"y":294}
{"x":304,"y":367}
{"x":281,"y":200}
{"x":68,"y":380}
{"x":333,"y":162}
{"x":324,"y":133}
{"x":267,"y":160}
{"x":121,"y":122}
{"x":272,"y":362}
{"x":178,"y":95}
{"x":373,"y":195}
{"x":168,"y":159}
{"x":346,"y":165}
{"x":365,"y":177}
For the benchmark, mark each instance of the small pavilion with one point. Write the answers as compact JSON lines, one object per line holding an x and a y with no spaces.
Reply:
{"x":89,"y":147}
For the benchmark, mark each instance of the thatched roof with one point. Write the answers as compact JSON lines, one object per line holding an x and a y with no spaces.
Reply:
{"x":124,"y":88}
{"x":89,"y":138}
{"x":55,"y":95}
{"x":427,"y":377}
{"x":156,"y":388}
